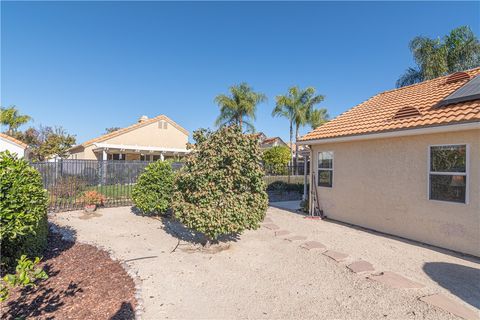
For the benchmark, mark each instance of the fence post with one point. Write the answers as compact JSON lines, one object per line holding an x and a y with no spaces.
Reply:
{"x":305,"y":160}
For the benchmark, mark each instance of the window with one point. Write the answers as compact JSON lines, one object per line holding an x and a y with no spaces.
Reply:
{"x":144,"y":157}
{"x":448,"y":173}
{"x":156,"y":157}
{"x":115,"y":156}
{"x":325,"y":169}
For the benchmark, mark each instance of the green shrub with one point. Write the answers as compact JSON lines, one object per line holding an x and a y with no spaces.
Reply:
{"x":276,"y":159}
{"x":282,"y":186}
{"x":26,"y":275}
{"x":153,"y":192}
{"x":221,"y":190}
{"x":23,"y":210}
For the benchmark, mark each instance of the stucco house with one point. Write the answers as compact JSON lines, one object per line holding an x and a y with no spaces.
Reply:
{"x":147,"y":140}
{"x":269,"y":142}
{"x":405,"y":162}
{"x":13,"y":145}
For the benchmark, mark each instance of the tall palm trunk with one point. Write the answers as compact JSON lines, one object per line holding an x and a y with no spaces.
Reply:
{"x":291,"y":149}
{"x":296,"y":149}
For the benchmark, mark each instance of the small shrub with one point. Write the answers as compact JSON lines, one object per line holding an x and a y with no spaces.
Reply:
{"x":93,"y":198}
{"x":281,"y":186}
{"x":153,"y":192}
{"x":221,"y":189}
{"x":23,"y":210}
{"x":26,"y":275}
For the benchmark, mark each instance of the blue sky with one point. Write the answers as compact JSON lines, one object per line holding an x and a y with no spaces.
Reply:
{"x":91,"y":65}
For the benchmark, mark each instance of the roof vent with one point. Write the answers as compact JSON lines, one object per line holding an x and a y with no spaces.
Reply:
{"x":457,"y":76}
{"x":406,"y":112}
{"x":143,"y":119}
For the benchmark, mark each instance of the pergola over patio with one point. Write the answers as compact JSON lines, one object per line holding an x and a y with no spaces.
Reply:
{"x":135,"y":152}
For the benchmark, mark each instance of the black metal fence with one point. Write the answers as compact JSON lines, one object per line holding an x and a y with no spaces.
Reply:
{"x":68,"y":180}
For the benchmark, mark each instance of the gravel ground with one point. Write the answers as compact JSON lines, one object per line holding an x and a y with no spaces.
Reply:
{"x":263,"y":276}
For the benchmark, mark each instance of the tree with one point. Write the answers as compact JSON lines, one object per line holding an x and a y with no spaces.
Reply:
{"x":112,"y":129}
{"x":298,"y":107}
{"x":318,"y":117}
{"x":239,"y":107}
{"x":457,"y":51}
{"x":46,"y":142}
{"x":275,"y":159}
{"x":221,"y":189}
{"x":12,"y":118}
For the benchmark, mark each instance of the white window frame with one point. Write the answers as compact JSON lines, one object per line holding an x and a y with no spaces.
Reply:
{"x":466,"y":173}
{"x":325,"y":169}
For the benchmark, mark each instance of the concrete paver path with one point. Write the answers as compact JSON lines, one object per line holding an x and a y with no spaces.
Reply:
{"x":262,"y":276}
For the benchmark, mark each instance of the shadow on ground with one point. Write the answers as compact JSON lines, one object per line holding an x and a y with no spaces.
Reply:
{"x":462,"y":281}
{"x":124,"y":312}
{"x":179,"y":231}
{"x":47,"y":300}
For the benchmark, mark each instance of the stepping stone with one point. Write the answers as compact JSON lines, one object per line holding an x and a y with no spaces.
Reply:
{"x":271,"y":226}
{"x":337,"y":256}
{"x":296,"y":238}
{"x":360,"y":266}
{"x":444,"y":303}
{"x":309,"y":245}
{"x":395,"y":281}
{"x":281,"y":233}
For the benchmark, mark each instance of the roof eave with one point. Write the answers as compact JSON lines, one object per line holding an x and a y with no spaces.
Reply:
{"x":449,"y":127}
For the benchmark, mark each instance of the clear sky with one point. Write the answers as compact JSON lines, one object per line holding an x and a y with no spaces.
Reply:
{"x":92,"y":65}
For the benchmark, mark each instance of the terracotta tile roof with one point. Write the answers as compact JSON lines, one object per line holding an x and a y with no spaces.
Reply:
{"x":12,"y":139}
{"x":130,"y":128}
{"x":404,"y":108}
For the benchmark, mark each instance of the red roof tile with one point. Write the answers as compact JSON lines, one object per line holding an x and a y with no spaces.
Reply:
{"x":377,"y":114}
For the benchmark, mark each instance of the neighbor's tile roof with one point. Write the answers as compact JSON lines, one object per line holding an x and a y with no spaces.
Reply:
{"x":130,"y":128}
{"x":377,"y":113}
{"x":12,"y":139}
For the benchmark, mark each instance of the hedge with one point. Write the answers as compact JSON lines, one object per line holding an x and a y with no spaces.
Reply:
{"x":23,"y":210}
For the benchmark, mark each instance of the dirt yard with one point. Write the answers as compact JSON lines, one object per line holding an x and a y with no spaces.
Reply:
{"x":285,"y":270}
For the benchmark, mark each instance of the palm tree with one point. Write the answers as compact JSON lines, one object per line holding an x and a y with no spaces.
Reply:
{"x":457,"y":51}
{"x":318,"y":117}
{"x":297,"y":106}
{"x":238,"y":107}
{"x":11,"y":118}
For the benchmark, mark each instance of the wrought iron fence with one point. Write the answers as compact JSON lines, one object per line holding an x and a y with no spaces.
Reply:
{"x":67,"y":180}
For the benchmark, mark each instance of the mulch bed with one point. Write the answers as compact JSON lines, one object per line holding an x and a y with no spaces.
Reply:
{"x":83,"y":283}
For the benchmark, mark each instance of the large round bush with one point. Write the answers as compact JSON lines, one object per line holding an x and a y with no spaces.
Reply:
{"x":221,"y":189}
{"x":153,"y":192}
{"x":23,"y":210}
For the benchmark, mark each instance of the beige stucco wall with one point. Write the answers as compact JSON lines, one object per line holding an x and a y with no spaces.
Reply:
{"x":382,"y":184}
{"x":149,"y":135}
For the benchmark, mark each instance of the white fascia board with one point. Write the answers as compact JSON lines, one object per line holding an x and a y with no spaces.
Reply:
{"x":397,"y":133}
{"x":141,"y":148}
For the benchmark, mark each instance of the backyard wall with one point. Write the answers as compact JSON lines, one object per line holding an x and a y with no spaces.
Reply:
{"x":382,"y":184}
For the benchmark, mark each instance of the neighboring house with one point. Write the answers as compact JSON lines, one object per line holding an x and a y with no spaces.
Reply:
{"x":147,"y":140}
{"x":406,"y":162}
{"x":266,"y":142}
{"x":13,"y":145}
{"x":302,"y":150}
